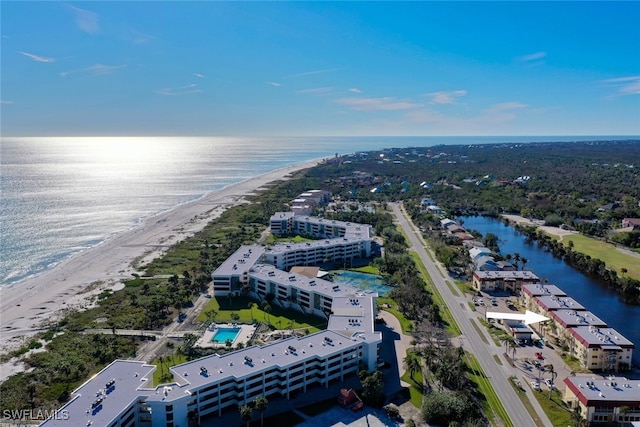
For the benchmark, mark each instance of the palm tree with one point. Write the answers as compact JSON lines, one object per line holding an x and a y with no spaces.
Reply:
{"x":507,"y":341}
{"x":516,"y":259}
{"x":412,"y":363}
{"x":550,"y":368}
{"x":267,"y":309}
{"x":524,"y":261}
{"x":251,"y":305}
{"x":261,"y":405}
{"x":514,"y":346}
{"x":624,"y":410}
{"x":428,"y":354}
{"x":576,"y":417}
{"x":246,"y":413}
{"x":211,"y":315}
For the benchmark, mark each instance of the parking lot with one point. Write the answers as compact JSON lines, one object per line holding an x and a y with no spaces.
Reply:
{"x":537,"y":360}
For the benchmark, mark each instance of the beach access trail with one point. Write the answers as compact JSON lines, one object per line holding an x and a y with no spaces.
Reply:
{"x":27,"y":306}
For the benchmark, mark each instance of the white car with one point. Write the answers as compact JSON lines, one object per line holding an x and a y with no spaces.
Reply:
{"x":549,"y":384}
{"x":535,"y":385}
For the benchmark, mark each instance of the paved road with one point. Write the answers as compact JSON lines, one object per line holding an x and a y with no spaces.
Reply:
{"x":498,"y":375}
{"x":150,"y":350}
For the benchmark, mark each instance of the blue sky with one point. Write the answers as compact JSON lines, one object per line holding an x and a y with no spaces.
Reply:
{"x":320,"y":68}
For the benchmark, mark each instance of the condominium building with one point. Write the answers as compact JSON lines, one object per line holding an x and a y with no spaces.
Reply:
{"x":320,"y":228}
{"x":122,"y":393}
{"x":600,"y":348}
{"x":233,"y":273}
{"x":285,"y":256}
{"x":545,"y":304}
{"x":528,"y":293}
{"x":589,"y":339}
{"x":340,"y":242}
{"x":567,"y":319}
{"x":604,"y":399}
{"x":510,"y":281}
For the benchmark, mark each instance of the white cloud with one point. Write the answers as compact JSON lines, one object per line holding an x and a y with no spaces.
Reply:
{"x":181,"y":90}
{"x":198,"y":75}
{"x":626,"y":85}
{"x":501,"y":113}
{"x":488,"y":119}
{"x":86,"y":20}
{"x":532,"y":57}
{"x":6,"y":102}
{"x":355,"y":90}
{"x":37,"y":58}
{"x":447,"y":97}
{"x":317,"y":91}
{"x":276,"y":84}
{"x":506,"y":106}
{"x":137,"y":37}
{"x":308,"y":73}
{"x":96,"y":69}
{"x":377,"y":104}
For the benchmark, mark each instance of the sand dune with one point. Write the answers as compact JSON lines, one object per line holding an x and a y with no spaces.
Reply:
{"x":26,"y":307}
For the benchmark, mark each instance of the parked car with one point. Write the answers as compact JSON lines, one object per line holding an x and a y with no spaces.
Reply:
{"x":535,"y":385}
{"x":549,"y":384}
{"x":539,"y":355}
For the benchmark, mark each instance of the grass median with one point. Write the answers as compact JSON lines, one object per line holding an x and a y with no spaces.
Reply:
{"x":491,"y":403}
{"x":451,"y":325}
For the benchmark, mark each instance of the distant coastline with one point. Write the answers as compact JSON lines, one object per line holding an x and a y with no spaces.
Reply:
{"x":69,"y":196}
{"x":43,"y":297}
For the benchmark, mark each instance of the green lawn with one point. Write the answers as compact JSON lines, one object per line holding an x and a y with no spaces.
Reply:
{"x":465,"y":287}
{"x":292,"y":239}
{"x":163,"y":369}
{"x":492,"y":406}
{"x":477,"y":328}
{"x":405,"y":323}
{"x":369,"y":269}
{"x":555,"y":409}
{"x":606,"y":252}
{"x":522,"y":394}
{"x":278,"y":318}
{"x":450,"y":324}
{"x":496,"y":333}
{"x":415,"y":389}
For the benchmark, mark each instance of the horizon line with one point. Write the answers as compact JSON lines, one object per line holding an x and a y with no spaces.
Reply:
{"x":320,"y":136}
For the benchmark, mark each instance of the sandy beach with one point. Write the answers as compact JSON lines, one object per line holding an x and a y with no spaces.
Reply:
{"x":26,"y":307}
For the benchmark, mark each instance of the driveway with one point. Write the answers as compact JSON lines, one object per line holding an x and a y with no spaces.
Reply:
{"x":393,"y":350}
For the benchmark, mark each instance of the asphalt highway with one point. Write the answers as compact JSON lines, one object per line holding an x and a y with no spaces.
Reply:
{"x":471,"y":341}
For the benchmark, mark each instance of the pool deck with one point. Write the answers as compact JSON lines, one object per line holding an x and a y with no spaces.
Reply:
{"x":245,"y":334}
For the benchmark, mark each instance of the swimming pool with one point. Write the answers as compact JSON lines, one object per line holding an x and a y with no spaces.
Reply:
{"x":224,"y":334}
{"x":363,"y":281}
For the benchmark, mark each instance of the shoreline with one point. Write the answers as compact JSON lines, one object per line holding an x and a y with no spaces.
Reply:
{"x":26,"y":306}
{"x":554,"y":231}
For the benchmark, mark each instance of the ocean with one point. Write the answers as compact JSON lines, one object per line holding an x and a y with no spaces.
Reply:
{"x":62,"y":195}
